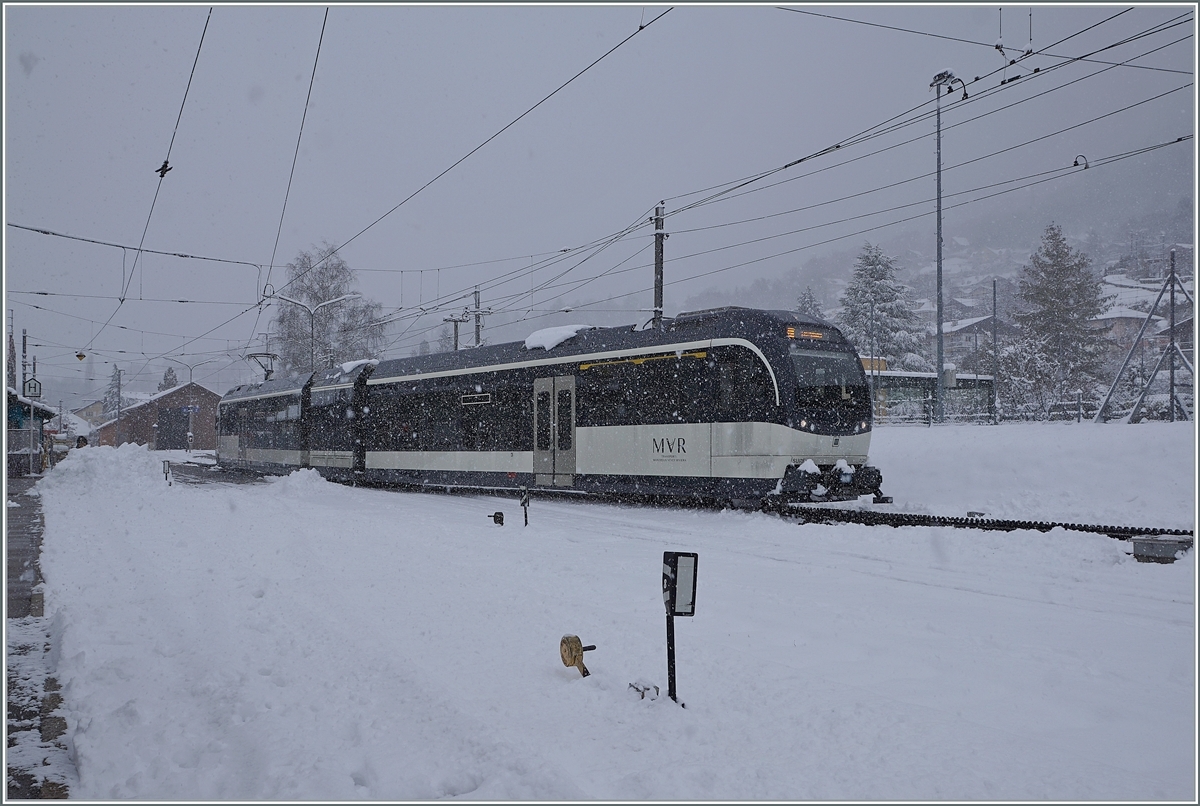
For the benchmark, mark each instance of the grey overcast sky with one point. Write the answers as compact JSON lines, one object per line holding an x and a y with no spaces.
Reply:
{"x":706,"y":95}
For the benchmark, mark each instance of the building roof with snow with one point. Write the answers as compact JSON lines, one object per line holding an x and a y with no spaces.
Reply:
{"x":1121,"y":312}
{"x":155,"y":397}
{"x":15,"y":397}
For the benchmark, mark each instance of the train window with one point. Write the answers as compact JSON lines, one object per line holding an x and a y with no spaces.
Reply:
{"x":744,"y":390}
{"x":821,"y":368}
{"x":670,"y":388}
{"x":564,"y":420}
{"x":439,"y":423}
{"x":515,"y":432}
{"x":831,"y":387}
{"x":601,"y":395}
{"x":543,"y":421}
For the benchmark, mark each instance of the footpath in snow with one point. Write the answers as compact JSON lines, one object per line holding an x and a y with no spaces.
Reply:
{"x":297,"y":639}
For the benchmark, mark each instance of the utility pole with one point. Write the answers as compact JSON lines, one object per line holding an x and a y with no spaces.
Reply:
{"x":874,"y":357}
{"x":478,"y":320}
{"x":458,"y":320}
{"x":943,"y":79}
{"x":995,"y":362}
{"x":478,"y":313}
{"x":659,"y":237}
{"x":117,"y":426}
{"x":1170,"y":367}
{"x":24,"y":353}
{"x":31,"y":441}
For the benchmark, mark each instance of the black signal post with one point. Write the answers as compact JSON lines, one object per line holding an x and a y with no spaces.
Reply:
{"x":679,"y":597}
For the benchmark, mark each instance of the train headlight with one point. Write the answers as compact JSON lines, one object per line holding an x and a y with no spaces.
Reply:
{"x":804,"y":423}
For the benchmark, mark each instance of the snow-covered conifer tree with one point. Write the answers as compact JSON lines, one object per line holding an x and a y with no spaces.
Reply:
{"x":1060,"y":296}
{"x":807,"y":304}
{"x":877,"y":315}
{"x":169,"y":380}
{"x":112,"y":392}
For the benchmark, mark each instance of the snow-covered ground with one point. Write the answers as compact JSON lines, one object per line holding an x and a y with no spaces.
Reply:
{"x":298,"y":639}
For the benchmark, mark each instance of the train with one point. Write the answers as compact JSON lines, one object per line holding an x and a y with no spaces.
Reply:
{"x":731,"y":405}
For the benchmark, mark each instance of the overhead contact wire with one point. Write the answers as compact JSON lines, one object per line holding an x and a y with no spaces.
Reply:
{"x":162,"y":176}
{"x":488,"y":140}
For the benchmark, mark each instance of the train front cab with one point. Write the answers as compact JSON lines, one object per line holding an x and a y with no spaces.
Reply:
{"x":829,"y":401}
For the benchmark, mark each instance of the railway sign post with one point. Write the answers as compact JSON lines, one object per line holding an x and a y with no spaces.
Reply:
{"x":679,"y":597}
{"x":32,"y":389}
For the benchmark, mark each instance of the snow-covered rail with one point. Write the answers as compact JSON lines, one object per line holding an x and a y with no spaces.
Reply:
{"x":818,"y":514}
{"x":199,"y":474}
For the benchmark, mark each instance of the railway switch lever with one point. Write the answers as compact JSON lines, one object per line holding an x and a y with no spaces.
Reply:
{"x":571,"y":649}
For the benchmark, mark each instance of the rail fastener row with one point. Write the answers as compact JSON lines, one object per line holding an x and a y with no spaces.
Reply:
{"x":818,"y":514}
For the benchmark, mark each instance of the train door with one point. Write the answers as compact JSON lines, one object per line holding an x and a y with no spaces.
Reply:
{"x":554,"y":431}
{"x":242,"y":424}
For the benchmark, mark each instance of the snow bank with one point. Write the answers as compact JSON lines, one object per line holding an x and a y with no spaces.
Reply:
{"x":1139,"y":475}
{"x":550,"y":337}
{"x":304,"y":640}
{"x":350,"y":366}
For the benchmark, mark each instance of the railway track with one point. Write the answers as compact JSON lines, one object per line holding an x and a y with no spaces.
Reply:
{"x":196,"y":473}
{"x":202,"y":474}
{"x":819,"y":514}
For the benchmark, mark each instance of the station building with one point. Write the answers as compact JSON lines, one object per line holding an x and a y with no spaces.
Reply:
{"x":164,"y":421}
{"x":26,"y":433}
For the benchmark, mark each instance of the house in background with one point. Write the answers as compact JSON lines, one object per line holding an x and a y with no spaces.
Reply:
{"x":1120,"y":325}
{"x":961,"y":337}
{"x":164,"y":421}
{"x":26,"y":427}
{"x":1184,"y":337}
{"x":92,"y":412}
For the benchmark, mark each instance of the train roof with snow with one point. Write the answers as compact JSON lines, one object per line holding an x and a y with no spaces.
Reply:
{"x":571,"y":340}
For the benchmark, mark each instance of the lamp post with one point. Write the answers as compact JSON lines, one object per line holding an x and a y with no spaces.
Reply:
{"x":874,"y":338}
{"x":191,"y":366}
{"x":946,"y":79}
{"x":312,"y":321}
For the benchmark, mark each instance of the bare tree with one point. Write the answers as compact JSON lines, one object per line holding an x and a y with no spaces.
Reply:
{"x":314,"y":333}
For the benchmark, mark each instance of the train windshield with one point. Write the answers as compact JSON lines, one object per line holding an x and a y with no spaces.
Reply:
{"x":831,"y":388}
{"x":823,"y":368}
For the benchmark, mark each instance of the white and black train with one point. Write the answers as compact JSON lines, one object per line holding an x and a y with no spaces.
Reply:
{"x":731,"y":404}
